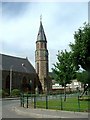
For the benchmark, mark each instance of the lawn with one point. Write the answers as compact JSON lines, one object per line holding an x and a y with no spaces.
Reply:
{"x":71,"y":104}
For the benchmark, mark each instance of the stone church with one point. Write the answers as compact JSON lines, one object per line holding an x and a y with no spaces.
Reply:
{"x":17,"y":71}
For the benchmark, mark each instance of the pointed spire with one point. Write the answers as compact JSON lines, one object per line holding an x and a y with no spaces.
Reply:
{"x":41,"y":34}
{"x":41,"y":18}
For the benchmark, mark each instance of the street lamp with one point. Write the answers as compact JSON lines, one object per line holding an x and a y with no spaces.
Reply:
{"x":11,"y":78}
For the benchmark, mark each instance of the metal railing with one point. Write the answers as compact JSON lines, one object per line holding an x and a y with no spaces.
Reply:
{"x":49,"y":101}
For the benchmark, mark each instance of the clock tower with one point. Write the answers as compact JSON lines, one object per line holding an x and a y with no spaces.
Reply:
{"x":41,"y":58}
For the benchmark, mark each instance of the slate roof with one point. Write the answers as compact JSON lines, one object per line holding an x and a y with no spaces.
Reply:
{"x":17,"y":64}
{"x":41,"y":34}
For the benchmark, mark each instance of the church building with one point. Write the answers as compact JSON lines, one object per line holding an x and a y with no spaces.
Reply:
{"x":15,"y":72}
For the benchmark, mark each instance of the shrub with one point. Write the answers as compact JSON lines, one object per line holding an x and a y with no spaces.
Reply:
{"x":3,"y":93}
{"x":0,"y":93}
{"x":15,"y":93}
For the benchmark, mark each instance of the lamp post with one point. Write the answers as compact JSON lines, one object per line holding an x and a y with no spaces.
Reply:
{"x":11,"y":78}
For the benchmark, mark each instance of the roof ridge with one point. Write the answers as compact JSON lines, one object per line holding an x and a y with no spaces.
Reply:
{"x":17,"y":62}
{"x":13,"y":56}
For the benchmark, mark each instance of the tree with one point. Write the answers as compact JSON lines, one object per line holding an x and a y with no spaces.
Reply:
{"x":81,"y":49}
{"x":83,"y":78}
{"x":64,"y":70}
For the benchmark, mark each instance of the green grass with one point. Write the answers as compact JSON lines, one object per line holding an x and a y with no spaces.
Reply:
{"x":71,"y":104}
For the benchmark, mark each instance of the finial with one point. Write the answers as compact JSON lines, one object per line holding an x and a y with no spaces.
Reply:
{"x":41,"y":18}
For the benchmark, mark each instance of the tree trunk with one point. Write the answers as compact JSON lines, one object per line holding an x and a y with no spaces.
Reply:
{"x":64,"y":92}
{"x":84,"y":90}
{"x":89,"y":81}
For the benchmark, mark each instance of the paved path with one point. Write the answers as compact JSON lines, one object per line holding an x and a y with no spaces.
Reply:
{"x":43,"y":113}
{"x":0,"y":110}
{"x":8,"y":109}
{"x":11,"y":109}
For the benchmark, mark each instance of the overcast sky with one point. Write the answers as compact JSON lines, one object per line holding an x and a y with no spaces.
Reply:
{"x":20,"y":24}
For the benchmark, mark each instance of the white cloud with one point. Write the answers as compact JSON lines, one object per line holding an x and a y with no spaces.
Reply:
{"x":60,"y":20}
{"x":45,"y":0}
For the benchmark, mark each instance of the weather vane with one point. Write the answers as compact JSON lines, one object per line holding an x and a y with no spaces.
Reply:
{"x":40,"y":18}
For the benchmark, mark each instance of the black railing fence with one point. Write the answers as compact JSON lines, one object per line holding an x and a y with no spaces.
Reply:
{"x":49,"y":101}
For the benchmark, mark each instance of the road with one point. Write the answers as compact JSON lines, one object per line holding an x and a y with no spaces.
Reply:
{"x":8,"y":109}
{"x":0,"y":109}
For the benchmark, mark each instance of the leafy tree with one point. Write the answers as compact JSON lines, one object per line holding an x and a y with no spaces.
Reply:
{"x":83,"y":78}
{"x":81,"y":49}
{"x":64,"y":70}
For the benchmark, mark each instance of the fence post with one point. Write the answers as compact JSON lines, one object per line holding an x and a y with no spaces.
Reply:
{"x":27,"y":100}
{"x":61,"y":103}
{"x":78,"y":104}
{"x":23,"y":99}
{"x":46,"y":101}
{"x":34,"y":101}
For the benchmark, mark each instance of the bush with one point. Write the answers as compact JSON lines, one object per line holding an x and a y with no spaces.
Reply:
{"x":15,"y":93}
{"x":0,"y":93}
{"x":3,"y":93}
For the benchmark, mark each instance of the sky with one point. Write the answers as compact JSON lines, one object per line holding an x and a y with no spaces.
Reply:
{"x":20,"y":22}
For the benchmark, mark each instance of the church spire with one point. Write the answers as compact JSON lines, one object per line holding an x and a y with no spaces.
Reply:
{"x":41,"y":58}
{"x":40,"y":18}
{"x":41,"y":34}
